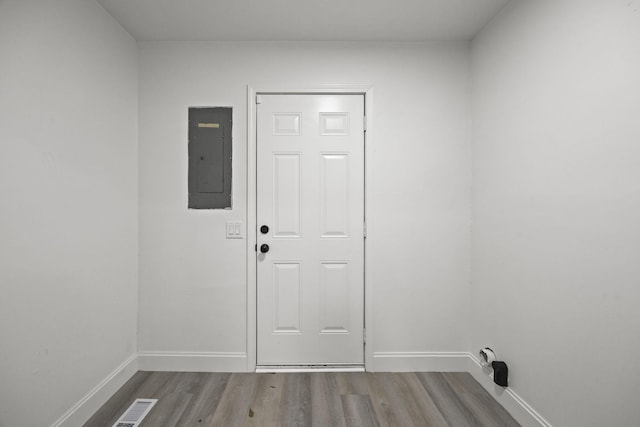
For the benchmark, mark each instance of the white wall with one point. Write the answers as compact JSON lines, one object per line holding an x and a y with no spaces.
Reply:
{"x":556,"y":234}
{"x":193,"y":283}
{"x":68,"y":212}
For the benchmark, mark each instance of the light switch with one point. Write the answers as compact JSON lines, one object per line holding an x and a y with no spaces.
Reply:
{"x":234,"y":230}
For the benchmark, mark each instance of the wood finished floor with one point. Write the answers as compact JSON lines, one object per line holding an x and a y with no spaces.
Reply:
{"x":188,"y":399}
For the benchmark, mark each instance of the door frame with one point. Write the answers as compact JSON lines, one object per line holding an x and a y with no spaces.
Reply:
{"x":251,"y":230}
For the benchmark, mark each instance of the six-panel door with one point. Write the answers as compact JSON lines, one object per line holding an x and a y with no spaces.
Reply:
{"x":310,"y":194}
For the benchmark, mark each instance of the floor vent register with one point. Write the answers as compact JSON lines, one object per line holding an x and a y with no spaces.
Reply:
{"x":133,"y":416}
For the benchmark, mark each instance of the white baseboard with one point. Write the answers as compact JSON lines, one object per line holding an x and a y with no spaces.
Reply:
{"x":509,"y":399}
{"x":89,"y":404}
{"x":192,"y":361}
{"x":414,"y":361}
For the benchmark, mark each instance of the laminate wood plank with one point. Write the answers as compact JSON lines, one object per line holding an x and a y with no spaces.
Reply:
{"x":478,"y":401}
{"x":179,"y":401}
{"x":295,"y":407}
{"x":168,"y":414}
{"x":381,"y":401}
{"x":424,"y":407}
{"x":351,"y":382}
{"x":233,"y":409}
{"x":410,"y":402}
{"x":264,"y":409}
{"x":173,"y":397}
{"x":446,"y":400}
{"x":207,"y":394}
{"x":326,"y":404}
{"x":359,"y":411}
{"x":159,"y":384}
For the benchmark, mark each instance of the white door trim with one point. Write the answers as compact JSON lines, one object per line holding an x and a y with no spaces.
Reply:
{"x":368,"y":93}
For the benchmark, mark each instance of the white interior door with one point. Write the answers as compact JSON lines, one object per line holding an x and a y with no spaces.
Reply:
{"x":310,"y":195}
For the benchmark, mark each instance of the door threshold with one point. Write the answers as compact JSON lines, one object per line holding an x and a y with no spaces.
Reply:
{"x":308,"y":368}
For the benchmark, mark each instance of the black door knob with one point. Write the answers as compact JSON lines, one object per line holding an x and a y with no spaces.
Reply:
{"x":264,"y":229}
{"x":264,"y":248}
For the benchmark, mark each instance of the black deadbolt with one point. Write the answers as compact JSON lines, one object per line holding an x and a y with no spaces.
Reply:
{"x":264,"y":229}
{"x":264,"y":248}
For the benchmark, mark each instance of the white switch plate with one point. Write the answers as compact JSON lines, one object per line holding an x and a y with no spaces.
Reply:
{"x":234,"y":230}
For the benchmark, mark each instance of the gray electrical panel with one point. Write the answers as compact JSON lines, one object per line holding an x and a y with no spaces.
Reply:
{"x":210,"y":157}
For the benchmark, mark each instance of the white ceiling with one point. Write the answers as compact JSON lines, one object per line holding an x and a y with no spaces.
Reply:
{"x":302,"y":20}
